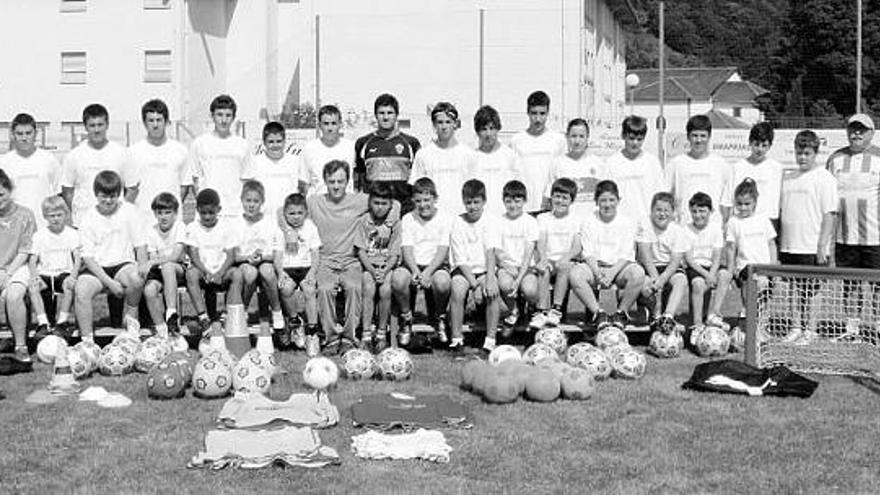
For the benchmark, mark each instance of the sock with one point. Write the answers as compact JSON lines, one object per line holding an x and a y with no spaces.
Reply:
{"x":42,"y":319}
{"x":456,"y":341}
{"x":88,"y":338}
{"x":489,"y":343}
{"x":169,"y":313}
{"x":162,"y":330}
{"x":277,"y":319}
{"x":557,"y":307}
{"x":367,"y":334}
{"x":63,"y":317}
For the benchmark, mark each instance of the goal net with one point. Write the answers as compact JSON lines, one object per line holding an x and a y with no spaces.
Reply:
{"x":814,"y":319}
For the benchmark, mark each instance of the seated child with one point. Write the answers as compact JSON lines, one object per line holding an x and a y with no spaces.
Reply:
{"x":114,"y":254}
{"x":703,"y":260}
{"x":609,"y":248}
{"x":424,"y":241}
{"x":518,"y":238}
{"x":661,"y":247}
{"x":211,"y":244}
{"x":165,"y":242}
{"x":379,"y":257}
{"x":472,"y":244}
{"x":558,"y":245}
{"x":301,"y":244}
{"x":258,"y":251}
{"x":55,"y":263}
{"x":15,"y":247}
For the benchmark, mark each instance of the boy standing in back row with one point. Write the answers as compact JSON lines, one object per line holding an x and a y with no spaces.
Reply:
{"x":33,"y":171}
{"x":636,"y":172}
{"x":536,"y":148}
{"x":330,"y":146}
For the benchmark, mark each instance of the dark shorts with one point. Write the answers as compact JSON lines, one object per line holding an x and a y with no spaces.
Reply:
{"x":54,"y":283}
{"x":297,"y":274}
{"x":798,"y":259}
{"x":155,"y":273}
{"x":112,"y":270}
{"x":221,"y":287}
{"x":692,"y":274}
{"x":855,"y":256}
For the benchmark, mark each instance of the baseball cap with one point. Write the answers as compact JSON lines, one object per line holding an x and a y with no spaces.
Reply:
{"x":863,"y":119}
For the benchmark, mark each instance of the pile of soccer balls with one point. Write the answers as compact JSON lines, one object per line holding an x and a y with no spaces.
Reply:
{"x":217,"y":373}
{"x":549,"y":369}
{"x":708,"y":341}
{"x":393,"y":364}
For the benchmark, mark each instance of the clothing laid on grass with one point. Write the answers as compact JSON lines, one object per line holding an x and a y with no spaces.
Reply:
{"x":258,"y":411}
{"x":429,"y":445}
{"x":397,"y":410}
{"x":247,"y":449}
{"x":736,"y":377}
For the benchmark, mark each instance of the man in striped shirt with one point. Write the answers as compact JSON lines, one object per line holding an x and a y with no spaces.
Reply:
{"x":857,"y":169}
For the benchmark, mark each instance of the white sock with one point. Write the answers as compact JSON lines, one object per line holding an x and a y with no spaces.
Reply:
{"x":88,"y":338}
{"x":489,"y":343}
{"x":162,"y":330}
{"x":169,"y":312}
{"x":456,"y":341}
{"x":277,"y":319}
{"x":63,"y":316}
{"x":42,"y":319}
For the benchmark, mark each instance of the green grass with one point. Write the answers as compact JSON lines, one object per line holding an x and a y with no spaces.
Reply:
{"x":631,"y":437}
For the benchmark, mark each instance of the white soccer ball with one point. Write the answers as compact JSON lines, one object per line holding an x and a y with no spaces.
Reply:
{"x":629,"y":363}
{"x":712,"y":341}
{"x":737,"y":340}
{"x":503,"y":353}
{"x":222,"y":356}
{"x":49,"y":347}
{"x":115,"y":360}
{"x":91,"y":351}
{"x":553,"y":337}
{"x":264,"y":360}
{"x":537,"y":352}
{"x":178,"y":343}
{"x":320,"y":373}
{"x":152,"y":351}
{"x":129,"y":342}
{"x":611,"y":336}
{"x":251,"y":375}
{"x":596,"y":362}
{"x":665,"y":345}
{"x":577,"y":353}
{"x":395,"y":364}
{"x":211,"y":379}
{"x":79,"y":362}
{"x":359,"y":364}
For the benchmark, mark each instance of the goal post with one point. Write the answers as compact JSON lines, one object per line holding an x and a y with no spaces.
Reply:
{"x":813,"y":319}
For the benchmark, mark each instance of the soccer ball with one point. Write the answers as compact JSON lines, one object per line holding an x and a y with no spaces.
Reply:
{"x":211,"y":379}
{"x":629,"y":363}
{"x":395,"y":364}
{"x":611,"y":336}
{"x":165,"y":383}
{"x":596,"y":362}
{"x":538,"y":351}
{"x":712,"y":341}
{"x":737,"y":339}
{"x":222,"y":356}
{"x":358,"y":364}
{"x":92,"y":352}
{"x":150,"y":354}
{"x":666,"y":345}
{"x":577,"y":384}
{"x":251,"y":375}
{"x":576,"y":353}
{"x":320,"y":373}
{"x":178,"y":343}
{"x":185,"y":362}
{"x":79,"y":362}
{"x":504,"y":353}
{"x":553,"y":337}
{"x":49,"y":347}
{"x":263,"y":360}
{"x":128,"y":342}
{"x":115,"y":360}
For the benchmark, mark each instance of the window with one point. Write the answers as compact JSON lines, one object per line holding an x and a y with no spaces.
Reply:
{"x":73,"y":67}
{"x":157,"y":4}
{"x":737,"y":111}
{"x":73,"y":5}
{"x":157,"y":66}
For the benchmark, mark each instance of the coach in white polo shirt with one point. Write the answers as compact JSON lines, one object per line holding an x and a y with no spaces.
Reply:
{"x":857,"y":169}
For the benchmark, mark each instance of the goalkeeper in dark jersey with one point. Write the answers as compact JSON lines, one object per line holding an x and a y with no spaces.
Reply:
{"x":386,"y":154}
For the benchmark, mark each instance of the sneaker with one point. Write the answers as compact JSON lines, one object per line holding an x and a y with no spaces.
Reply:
{"x":539,"y":320}
{"x":312,"y":345}
{"x":64,"y":330}
{"x":511,"y":318}
{"x":22,"y":354}
{"x":554,"y":317}
{"x":132,"y":326}
{"x":458,"y":352}
{"x":601,"y":320}
{"x":404,"y":334}
{"x":380,"y":343}
{"x":283,"y":336}
{"x":483,"y":353}
{"x":714,"y":320}
{"x":331,"y":348}
{"x":42,"y":332}
{"x":440,"y":335}
{"x":298,"y":338}
{"x":173,"y":323}
{"x":345,"y":345}
{"x":620,"y":319}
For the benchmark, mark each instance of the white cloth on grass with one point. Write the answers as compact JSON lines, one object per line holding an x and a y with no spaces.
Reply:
{"x":291,"y":445}
{"x":429,"y":445}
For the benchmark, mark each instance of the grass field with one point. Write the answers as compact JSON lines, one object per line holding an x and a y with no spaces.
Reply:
{"x":631,"y":437}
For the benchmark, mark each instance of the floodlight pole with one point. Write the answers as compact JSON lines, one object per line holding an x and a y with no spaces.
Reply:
{"x":661,"y":120}
{"x":858,"y":56}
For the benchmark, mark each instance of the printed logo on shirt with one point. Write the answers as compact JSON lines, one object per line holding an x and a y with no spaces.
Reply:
{"x":398,"y":148}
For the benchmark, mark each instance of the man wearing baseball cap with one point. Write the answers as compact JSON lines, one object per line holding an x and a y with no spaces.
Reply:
{"x":857,"y":169}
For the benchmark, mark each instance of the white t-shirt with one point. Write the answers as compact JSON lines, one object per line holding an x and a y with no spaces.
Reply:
{"x":664,"y":243}
{"x":35,"y":178}
{"x":585,"y":172}
{"x":111,"y":239}
{"x":494,"y":169}
{"x":161,"y":244}
{"x":534,"y":157}
{"x":315,"y":154}
{"x":279,"y":178}
{"x":221,"y":164}
{"x":55,"y":251}
{"x":264,"y":234}
{"x":609,"y":242}
{"x":751,"y":236}
{"x":81,"y":166}
{"x":514,"y":237}
{"x":559,"y":233}
{"x":212,"y":243}
{"x":637,"y":180}
{"x":299,"y":244}
{"x":806,"y":197}
{"x":425,"y":236}
{"x":686,"y":176}
{"x":158,"y":169}
{"x":448,"y":168}
{"x":468,"y":242}
{"x":702,"y":243}
{"x":767,"y":176}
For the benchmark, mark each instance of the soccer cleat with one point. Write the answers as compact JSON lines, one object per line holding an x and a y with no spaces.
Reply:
{"x":64,"y":330}
{"x":21,"y":354}
{"x":404,"y":334}
{"x":298,"y":338}
{"x":331,"y":348}
{"x":440,"y":335}
{"x":714,"y":320}
{"x":554,"y":317}
{"x":458,"y":352}
{"x":173,"y":323}
{"x":511,"y":318}
{"x":600,"y":320}
{"x":620,"y":319}
{"x":42,"y":332}
{"x":282,"y":336}
{"x":380,"y":343}
{"x":539,"y":320}
{"x":345,"y":345}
